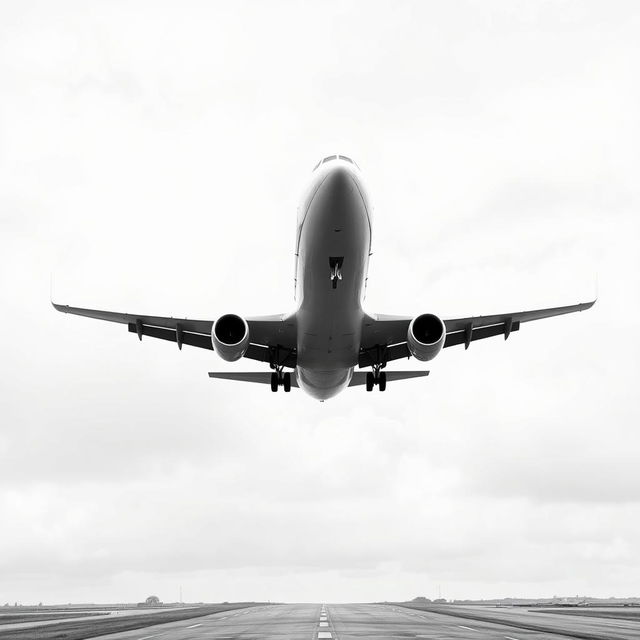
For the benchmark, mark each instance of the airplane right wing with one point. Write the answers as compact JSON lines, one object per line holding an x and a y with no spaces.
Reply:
{"x":271,"y":336}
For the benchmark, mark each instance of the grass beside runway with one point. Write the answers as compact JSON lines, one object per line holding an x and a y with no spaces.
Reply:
{"x":496,"y":618}
{"x":15,"y":618}
{"x":619,"y":613}
{"x":82,"y":629}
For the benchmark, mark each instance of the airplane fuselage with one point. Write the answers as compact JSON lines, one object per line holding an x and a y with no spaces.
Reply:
{"x":333,"y":245}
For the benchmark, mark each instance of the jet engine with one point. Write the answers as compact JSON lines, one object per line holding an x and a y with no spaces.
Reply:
{"x":425,"y":336}
{"x":230,"y":337}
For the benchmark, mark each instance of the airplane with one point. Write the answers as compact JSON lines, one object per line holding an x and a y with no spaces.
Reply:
{"x":329,"y":334}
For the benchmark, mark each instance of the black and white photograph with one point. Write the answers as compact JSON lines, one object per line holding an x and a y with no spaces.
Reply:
{"x":319,"y":319}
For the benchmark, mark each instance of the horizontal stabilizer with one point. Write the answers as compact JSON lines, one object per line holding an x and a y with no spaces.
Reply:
{"x":261,"y":377}
{"x":360,"y":377}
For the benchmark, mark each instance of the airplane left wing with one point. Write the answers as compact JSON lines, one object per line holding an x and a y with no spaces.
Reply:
{"x":266,"y":332}
{"x":384,"y":338}
{"x":466,"y":330}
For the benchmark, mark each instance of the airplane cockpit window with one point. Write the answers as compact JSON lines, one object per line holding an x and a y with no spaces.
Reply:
{"x":334,"y":157}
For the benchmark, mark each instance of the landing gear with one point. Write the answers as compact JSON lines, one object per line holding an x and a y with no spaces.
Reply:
{"x":280,"y":379}
{"x":335,"y":271}
{"x":370,"y":381}
{"x":376,"y":377}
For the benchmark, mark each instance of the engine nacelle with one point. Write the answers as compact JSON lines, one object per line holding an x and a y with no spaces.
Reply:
{"x":425,"y":336}
{"x":230,"y":337}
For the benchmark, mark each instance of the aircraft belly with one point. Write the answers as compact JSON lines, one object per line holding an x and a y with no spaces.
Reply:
{"x":330,"y":319}
{"x":335,"y":233}
{"x":323,"y":385}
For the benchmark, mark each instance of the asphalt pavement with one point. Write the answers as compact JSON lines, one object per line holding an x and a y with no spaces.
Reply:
{"x":378,"y":622}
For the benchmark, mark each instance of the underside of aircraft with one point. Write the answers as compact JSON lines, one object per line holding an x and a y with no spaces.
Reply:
{"x":320,"y":345}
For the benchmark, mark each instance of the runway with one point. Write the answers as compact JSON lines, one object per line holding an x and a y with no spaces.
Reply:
{"x":378,"y":622}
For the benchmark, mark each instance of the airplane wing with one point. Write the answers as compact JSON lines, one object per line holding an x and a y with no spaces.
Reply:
{"x":385,"y":337}
{"x":266,"y":332}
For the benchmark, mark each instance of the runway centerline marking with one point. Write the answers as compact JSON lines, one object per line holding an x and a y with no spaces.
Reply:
{"x":193,"y":626}
{"x":468,"y":628}
{"x":510,"y":638}
{"x":324,"y":634}
{"x":324,"y":624}
{"x":147,"y":637}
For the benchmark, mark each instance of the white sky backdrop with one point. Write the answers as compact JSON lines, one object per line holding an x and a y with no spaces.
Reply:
{"x":151,"y":158}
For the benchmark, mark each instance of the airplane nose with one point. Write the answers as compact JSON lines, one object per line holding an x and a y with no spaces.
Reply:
{"x":339,"y":185}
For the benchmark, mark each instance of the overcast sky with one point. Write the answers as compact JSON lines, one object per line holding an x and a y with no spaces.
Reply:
{"x":151,"y":160}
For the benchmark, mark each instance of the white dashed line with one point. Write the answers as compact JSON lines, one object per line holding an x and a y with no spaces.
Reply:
{"x":467,"y":628}
{"x":193,"y":626}
{"x":147,"y":637}
{"x":510,"y":638}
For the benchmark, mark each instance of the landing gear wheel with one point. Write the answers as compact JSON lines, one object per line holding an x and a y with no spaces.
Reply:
{"x":382,"y":381}
{"x":286,"y":382}
{"x":274,"y":382}
{"x":370,"y":381}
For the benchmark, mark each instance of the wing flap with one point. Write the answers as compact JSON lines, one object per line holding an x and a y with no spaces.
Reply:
{"x":466,"y":336}
{"x":171,"y":335}
{"x":383,"y":354}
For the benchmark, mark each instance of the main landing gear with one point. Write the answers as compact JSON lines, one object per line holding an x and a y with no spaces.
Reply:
{"x":376,"y":377}
{"x":280,"y":379}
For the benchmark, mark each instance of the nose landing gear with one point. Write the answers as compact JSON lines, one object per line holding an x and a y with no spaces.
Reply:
{"x":376,"y":377}
{"x":335,"y":271}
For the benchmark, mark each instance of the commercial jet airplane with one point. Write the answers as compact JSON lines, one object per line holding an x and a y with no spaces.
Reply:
{"x":329,"y":334}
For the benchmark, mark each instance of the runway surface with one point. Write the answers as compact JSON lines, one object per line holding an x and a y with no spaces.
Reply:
{"x":378,"y":622}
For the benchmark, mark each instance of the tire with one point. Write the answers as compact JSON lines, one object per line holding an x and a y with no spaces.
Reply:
{"x":286,"y":382}
{"x":382,"y":381}
{"x":274,"y":382}
{"x":370,"y":381}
